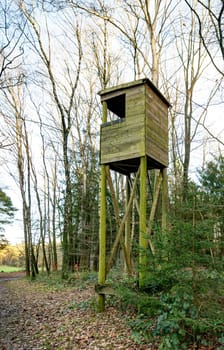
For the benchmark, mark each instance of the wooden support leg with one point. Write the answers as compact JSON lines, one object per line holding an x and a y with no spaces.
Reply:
{"x":142,"y":222}
{"x":164,"y":199}
{"x":118,"y":222}
{"x":102,"y":238}
{"x":102,"y":228}
{"x":128,"y":224}
{"x":122,"y":225}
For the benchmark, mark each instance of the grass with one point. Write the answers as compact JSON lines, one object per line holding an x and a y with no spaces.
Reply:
{"x":6,"y":268}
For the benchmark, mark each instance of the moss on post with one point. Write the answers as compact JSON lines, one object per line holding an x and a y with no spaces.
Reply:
{"x":102,"y":229}
{"x":142,"y":222}
{"x":128,"y":224}
{"x":164,"y":199}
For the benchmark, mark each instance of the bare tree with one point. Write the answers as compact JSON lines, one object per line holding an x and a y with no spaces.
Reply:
{"x":22,"y":152}
{"x":65,"y":112}
{"x":209,"y":15}
{"x":11,"y":50}
{"x":188,"y":117}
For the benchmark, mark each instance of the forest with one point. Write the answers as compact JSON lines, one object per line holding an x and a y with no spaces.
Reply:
{"x":56,"y":56}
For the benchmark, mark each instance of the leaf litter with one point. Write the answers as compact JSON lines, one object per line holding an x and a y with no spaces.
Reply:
{"x":34,"y":317}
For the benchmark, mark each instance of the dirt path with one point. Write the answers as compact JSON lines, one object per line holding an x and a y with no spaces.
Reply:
{"x":33,"y":317}
{"x":8,"y":276}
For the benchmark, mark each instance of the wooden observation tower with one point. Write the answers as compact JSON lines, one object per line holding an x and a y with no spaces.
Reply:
{"x":135,"y":142}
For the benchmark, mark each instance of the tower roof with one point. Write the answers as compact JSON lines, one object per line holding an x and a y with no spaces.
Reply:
{"x":132,"y":84}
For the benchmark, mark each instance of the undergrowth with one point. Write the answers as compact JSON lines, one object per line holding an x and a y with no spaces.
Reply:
{"x":6,"y":268}
{"x":175,"y":312}
{"x":178,"y":308}
{"x":53,"y":281}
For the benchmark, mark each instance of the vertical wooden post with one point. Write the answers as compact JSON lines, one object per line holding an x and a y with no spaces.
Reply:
{"x":164,"y":199}
{"x":142,"y":222}
{"x":102,"y":228}
{"x":128,"y":224}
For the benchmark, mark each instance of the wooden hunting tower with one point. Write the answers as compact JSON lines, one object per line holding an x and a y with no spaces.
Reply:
{"x":141,"y":128}
{"x":135,"y":142}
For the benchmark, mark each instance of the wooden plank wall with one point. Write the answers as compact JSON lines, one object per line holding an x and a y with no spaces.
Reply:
{"x":144,"y":130}
{"x":156,"y":128}
{"x":126,"y":140}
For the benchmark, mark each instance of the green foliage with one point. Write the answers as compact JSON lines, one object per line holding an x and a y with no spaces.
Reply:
{"x":3,"y":242}
{"x":211,"y":178}
{"x":55,"y":282}
{"x":181,"y":316}
{"x":7,"y":210}
{"x":84,"y":305}
{"x":6,"y":268}
{"x":181,"y":304}
{"x":176,"y":311}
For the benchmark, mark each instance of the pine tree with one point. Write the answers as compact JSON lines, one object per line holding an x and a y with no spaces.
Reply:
{"x":7,"y":209}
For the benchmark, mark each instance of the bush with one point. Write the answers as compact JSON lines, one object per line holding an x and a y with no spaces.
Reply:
{"x":182,"y":316}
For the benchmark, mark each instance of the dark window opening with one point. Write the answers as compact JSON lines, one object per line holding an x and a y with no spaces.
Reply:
{"x":117,"y":105}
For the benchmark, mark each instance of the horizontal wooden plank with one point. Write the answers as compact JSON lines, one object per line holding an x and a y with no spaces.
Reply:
{"x":157,"y":129}
{"x":159,"y":119}
{"x":107,"y":158}
{"x":153,"y":99}
{"x":157,"y":153}
{"x":141,"y":83}
{"x":120,"y":147}
{"x":157,"y":110}
{"x":129,"y":85}
{"x":134,"y":92}
{"x":158,"y":97}
{"x":157,"y":142}
{"x":123,"y":131}
{"x":107,"y":289}
{"x":112,"y":95}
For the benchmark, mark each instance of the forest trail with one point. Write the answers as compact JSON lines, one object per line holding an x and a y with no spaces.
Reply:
{"x":36,"y":317}
{"x":4,"y":276}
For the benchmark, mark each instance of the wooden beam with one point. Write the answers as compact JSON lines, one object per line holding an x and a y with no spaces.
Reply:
{"x":121,"y":228}
{"x":106,"y":289}
{"x":142,"y":222}
{"x":128,"y":225}
{"x":154,"y":202}
{"x":117,"y":216}
{"x":164,"y":199}
{"x":153,"y":211}
{"x":102,"y":228}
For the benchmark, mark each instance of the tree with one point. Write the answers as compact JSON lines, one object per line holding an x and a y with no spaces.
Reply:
{"x":3,"y":242}
{"x":63,"y":97}
{"x":211,"y":179}
{"x":192,"y":60}
{"x":11,"y":48}
{"x":17,"y":124}
{"x":213,"y":12}
{"x":7,"y":211}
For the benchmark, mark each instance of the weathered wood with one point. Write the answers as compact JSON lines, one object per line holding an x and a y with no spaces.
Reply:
{"x":142,"y":222}
{"x":106,"y":289}
{"x":137,"y":140}
{"x":121,"y":141}
{"x":164,"y":200}
{"x":128,"y":224}
{"x":143,"y":131}
{"x":154,"y":203}
{"x":117,"y":216}
{"x":121,"y":228}
{"x":102,"y":228}
{"x":134,"y":84}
